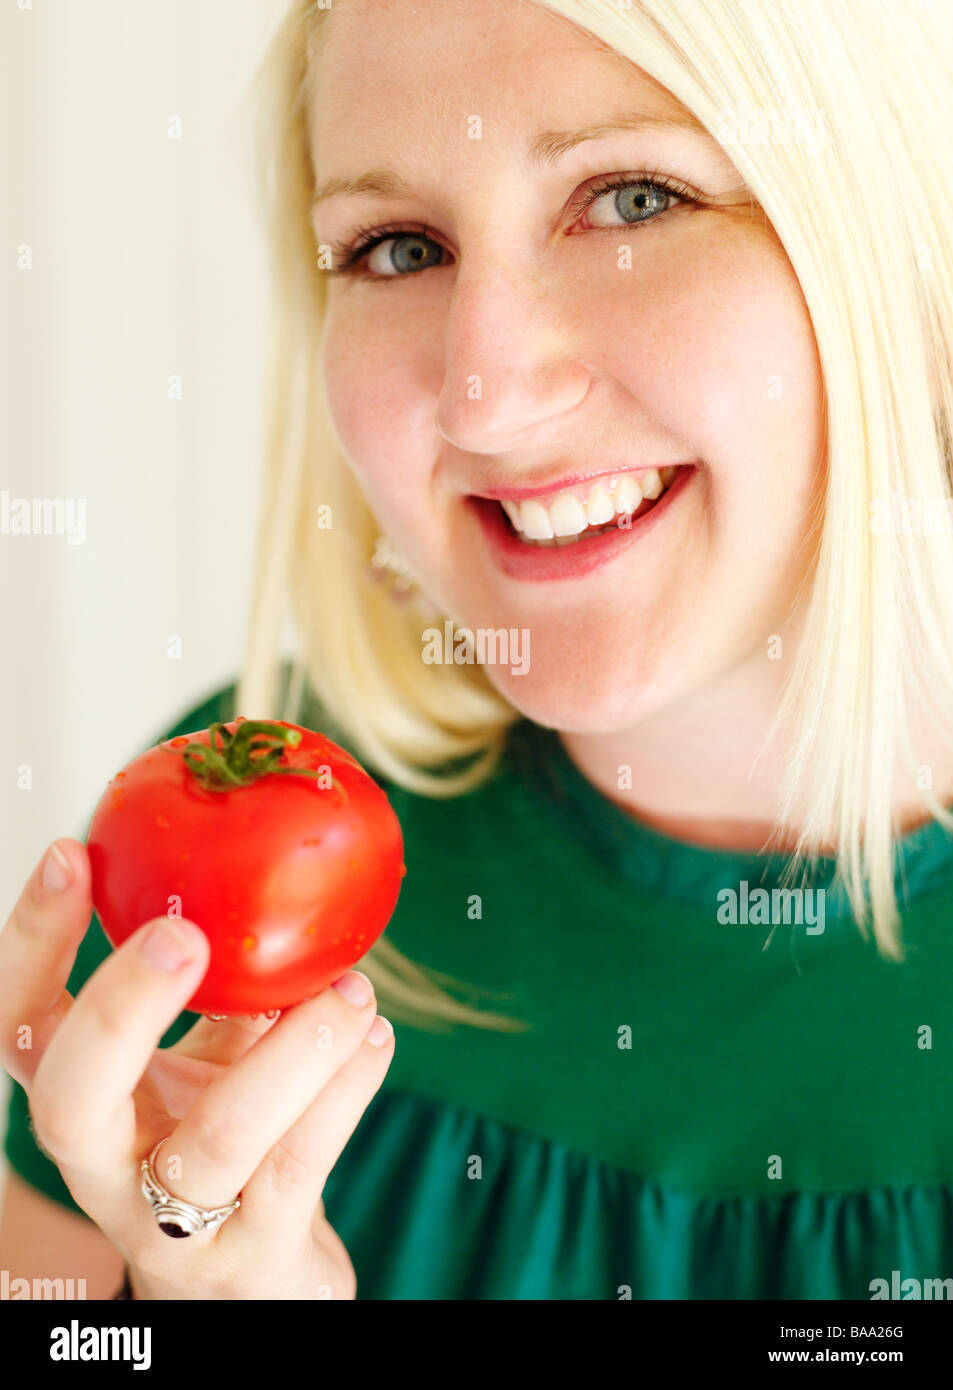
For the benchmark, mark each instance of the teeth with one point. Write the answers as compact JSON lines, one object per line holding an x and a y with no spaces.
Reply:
{"x":566,"y":516}
{"x":650,"y":483}
{"x":512,"y":510}
{"x":600,"y":507}
{"x":628,"y":494}
{"x":535,"y":521}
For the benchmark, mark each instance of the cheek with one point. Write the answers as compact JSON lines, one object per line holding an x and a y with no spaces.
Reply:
{"x":371,"y":373}
{"x":715,"y":346}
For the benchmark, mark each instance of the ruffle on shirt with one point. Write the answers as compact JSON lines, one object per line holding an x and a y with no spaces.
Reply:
{"x":543,"y":1222}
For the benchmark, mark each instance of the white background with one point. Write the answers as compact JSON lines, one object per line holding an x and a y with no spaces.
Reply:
{"x":147,"y":262}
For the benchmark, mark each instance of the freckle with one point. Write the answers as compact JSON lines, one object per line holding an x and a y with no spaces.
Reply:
{"x":314,"y":840}
{"x":249,"y":942}
{"x":119,"y":776}
{"x":178,"y":742}
{"x":348,"y":935}
{"x":230,"y":941}
{"x":403,"y":870}
{"x":231,"y":917}
{"x":162,"y":821}
{"x":335,"y":941}
{"x":312,"y":931}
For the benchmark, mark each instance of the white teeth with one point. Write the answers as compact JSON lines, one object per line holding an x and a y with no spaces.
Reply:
{"x":512,"y":510}
{"x":650,"y":483}
{"x":567,"y":515}
{"x":536,"y":523}
{"x":599,"y":508}
{"x":628,"y":494}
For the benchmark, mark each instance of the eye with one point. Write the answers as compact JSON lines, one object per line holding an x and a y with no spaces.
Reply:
{"x":397,"y":252}
{"x":632,"y":200}
{"x":388,"y":253}
{"x":403,"y":254}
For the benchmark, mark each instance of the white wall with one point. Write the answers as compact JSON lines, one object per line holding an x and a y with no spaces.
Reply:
{"x":146,"y":262}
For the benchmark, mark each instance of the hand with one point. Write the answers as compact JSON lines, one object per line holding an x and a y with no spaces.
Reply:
{"x":261,"y":1107}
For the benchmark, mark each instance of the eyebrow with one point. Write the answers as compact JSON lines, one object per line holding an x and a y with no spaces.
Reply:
{"x":546,"y":148}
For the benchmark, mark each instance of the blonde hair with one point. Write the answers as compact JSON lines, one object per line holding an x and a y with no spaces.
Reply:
{"x":876,"y":278}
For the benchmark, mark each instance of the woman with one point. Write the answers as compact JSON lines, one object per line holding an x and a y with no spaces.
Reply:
{"x":674,"y":330}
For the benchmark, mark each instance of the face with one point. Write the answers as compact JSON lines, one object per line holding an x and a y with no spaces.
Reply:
{"x":562,"y":325}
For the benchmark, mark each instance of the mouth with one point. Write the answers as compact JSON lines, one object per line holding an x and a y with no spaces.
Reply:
{"x":567,"y":516}
{"x":584,"y":524}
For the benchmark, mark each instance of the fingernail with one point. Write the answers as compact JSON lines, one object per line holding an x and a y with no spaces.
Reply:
{"x":166,"y":947}
{"x":355,"y":987}
{"x":382,"y":1030}
{"x":56,"y":870}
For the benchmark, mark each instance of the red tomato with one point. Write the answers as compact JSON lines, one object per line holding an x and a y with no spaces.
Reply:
{"x":270,"y":838}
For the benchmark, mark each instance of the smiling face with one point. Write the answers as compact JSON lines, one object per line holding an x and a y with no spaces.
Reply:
{"x":503,"y":338}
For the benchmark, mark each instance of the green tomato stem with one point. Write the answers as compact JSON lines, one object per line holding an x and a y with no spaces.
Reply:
{"x":254,"y":750}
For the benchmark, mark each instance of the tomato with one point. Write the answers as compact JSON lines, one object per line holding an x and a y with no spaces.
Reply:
{"x":268,"y":836}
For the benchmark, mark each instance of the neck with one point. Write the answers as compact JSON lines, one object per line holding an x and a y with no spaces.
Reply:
{"x":693,"y":772}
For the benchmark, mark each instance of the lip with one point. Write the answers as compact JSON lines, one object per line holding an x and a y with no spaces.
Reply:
{"x":540,"y":562}
{"x":516,"y":494}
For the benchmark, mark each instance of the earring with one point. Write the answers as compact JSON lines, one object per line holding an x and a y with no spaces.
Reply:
{"x":389,"y":568}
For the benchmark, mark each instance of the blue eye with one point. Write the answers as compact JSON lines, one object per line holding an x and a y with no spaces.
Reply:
{"x":411,"y":249}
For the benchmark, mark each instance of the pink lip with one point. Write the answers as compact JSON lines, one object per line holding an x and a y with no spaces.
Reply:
{"x":533,"y":562}
{"x":516,"y":494}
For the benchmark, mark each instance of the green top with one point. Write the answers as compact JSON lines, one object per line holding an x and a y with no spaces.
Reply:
{"x":703,"y":1107}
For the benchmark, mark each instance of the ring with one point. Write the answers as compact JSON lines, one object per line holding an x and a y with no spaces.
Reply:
{"x":175,"y":1216}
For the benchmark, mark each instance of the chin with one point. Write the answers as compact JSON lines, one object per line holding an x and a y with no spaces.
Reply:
{"x":573,"y":701}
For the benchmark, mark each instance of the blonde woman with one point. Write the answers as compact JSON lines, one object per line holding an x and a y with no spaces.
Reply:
{"x":625,"y":330}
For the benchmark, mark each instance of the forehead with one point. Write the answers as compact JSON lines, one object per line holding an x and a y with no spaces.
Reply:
{"x":423,"y":67}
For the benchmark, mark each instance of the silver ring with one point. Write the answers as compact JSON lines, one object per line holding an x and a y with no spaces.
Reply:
{"x":174,"y":1215}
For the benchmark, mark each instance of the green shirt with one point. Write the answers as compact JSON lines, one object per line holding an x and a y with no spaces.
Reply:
{"x":704,"y":1106}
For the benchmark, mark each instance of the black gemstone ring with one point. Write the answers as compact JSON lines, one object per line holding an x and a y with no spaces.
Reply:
{"x":175,"y":1216}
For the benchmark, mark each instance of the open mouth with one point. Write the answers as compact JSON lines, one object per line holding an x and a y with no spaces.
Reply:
{"x":565,"y":518}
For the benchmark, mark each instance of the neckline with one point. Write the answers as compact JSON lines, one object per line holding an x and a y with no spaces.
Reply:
{"x":696,"y":873}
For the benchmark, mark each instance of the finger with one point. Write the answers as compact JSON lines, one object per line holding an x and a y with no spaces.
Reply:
{"x":284,"y":1193}
{"x":244,"y":1112}
{"x":38,"y":946}
{"x":225,"y":1040}
{"x":82,"y":1094}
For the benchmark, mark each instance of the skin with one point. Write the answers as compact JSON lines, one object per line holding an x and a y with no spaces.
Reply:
{"x":640,"y":660}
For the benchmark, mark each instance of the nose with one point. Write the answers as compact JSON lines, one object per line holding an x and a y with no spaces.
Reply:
{"x":508,"y":360}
